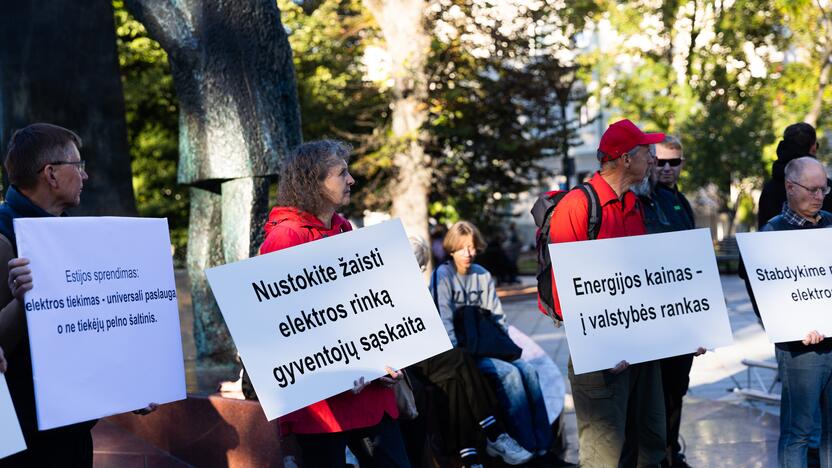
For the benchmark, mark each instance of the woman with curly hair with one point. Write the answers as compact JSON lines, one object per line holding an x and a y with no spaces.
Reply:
{"x":314,"y":183}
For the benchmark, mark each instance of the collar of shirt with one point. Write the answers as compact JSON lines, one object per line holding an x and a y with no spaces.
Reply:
{"x":607,"y":195}
{"x":793,"y":218}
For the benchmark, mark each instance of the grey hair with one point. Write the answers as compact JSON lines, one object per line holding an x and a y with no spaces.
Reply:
{"x":795,"y":167}
{"x":671,"y":142}
{"x":613,"y":163}
{"x":420,"y":250}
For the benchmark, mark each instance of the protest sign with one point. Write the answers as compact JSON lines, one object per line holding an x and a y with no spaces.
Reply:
{"x":790,"y":273}
{"x":639,"y":298}
{"x":310,"y":320}
{"x":102,"y":315}
{"x":11,"y":438}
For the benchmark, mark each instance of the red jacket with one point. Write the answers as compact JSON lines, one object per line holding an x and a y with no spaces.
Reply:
{"x":620,"y":217}
{"x":288,"y":227}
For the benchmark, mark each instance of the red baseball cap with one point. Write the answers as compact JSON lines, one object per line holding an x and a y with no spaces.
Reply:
{"x":623,"y":136}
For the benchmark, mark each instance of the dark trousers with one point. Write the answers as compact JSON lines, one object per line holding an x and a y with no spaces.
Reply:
{"x":467,"y":396}
{"x":675,"y":381}
{"x":379,"y":446}
{"x":61,"y":447}
{"x":621,"y":418}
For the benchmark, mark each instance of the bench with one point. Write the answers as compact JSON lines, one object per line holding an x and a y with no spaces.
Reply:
{"x":727,"y":255}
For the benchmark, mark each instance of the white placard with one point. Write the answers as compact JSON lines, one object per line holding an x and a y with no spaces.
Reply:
{"x":310,"y":320}
{"x":11,"y":438}
{"x":102,"y":315}
{"x":791,"y":276}
{"x":639,"y":298}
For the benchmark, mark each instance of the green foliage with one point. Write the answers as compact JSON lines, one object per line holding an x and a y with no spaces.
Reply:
{"x":337,"y":101}
{"x":707,"y":91}
{"x":152,"y":127}
{"x":493,"y":111}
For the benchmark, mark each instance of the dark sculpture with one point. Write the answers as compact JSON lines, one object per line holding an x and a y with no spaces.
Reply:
{"x":59,"y":64}
{"x":234,"y":78}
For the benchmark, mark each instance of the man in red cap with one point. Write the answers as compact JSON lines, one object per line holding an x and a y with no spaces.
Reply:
{"x":624,"y":403}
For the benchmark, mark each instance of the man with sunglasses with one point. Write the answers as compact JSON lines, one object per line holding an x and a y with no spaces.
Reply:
{"x":675,"y":215}
{"x":805,"y":367}
{"x":669,"y":163}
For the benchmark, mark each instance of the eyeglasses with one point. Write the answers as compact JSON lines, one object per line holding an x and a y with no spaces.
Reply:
{"x":814,"y":191}
{"x":470,"y":251}
{"x":673,"y":162}
{"x":81,"y":165}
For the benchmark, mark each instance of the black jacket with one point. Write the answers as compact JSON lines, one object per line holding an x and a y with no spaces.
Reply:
{"x":774,"y":190}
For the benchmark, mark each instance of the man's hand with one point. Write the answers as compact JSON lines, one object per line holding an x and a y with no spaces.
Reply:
{"x":147,"y":410}
{"x":813,"y":337}
{"x":3,"y":363}
{"x":700,"y":351}
{"x":20,"y":277}
{"x":620,"y":367}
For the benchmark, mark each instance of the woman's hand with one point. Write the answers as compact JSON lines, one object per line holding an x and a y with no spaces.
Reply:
{"x":392,"y":377}
{"x":20,"y":277}
{"x":359,"y":385}
{"x":389,"y":380}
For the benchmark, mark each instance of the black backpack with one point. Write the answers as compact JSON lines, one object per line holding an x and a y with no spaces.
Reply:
{"x":542,"y":214}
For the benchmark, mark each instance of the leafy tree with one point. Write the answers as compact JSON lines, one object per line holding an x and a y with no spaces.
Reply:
{"x":338,"y":97}
{"x":58,"y":64}
{"x":494,"y":114}
{"x":701,"y":69}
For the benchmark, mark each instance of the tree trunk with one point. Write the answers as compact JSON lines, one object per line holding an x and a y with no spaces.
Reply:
{"x":402,"y":24}
{"x":59,"y":64}
{"x":823,"y":82}
{"x":239,"y":115}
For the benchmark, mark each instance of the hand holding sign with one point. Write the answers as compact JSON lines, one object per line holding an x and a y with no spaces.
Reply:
{"x":789,"y":272}
{"x":622,"y":307}
{"x":103,"y":320}
{"x":323,"y":317}
{"x":20,"y":277}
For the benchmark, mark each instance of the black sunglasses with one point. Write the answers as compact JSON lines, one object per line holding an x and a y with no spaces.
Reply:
{"x":673,"y":162}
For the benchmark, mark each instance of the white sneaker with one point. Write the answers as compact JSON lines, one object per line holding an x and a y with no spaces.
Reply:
{"x":508,"y":449}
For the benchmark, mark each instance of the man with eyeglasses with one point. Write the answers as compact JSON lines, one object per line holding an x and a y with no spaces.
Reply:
{"x":47,"y":175}
{"x":805,"y":367}
{"x":799,"y":139}
{"x":620,"y":412}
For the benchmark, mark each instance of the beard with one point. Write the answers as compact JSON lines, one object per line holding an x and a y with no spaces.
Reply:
{"x":643,"y":188}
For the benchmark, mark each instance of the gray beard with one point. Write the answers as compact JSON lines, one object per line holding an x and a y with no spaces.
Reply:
{"x":642,"y":188}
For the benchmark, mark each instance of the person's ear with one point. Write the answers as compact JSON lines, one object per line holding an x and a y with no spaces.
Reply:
{"x":51,"y":177}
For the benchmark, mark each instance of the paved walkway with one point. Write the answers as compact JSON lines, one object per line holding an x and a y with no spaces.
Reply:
{"x":718,"y":427}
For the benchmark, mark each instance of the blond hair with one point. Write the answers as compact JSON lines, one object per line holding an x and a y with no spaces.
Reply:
{"x":456,"y":237}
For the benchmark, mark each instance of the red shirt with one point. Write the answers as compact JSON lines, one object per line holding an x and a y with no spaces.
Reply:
{"x":620,"y":217}
{"x":288,"y":227}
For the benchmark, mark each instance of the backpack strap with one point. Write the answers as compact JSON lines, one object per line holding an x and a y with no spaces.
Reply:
{"x":593,"y":211}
